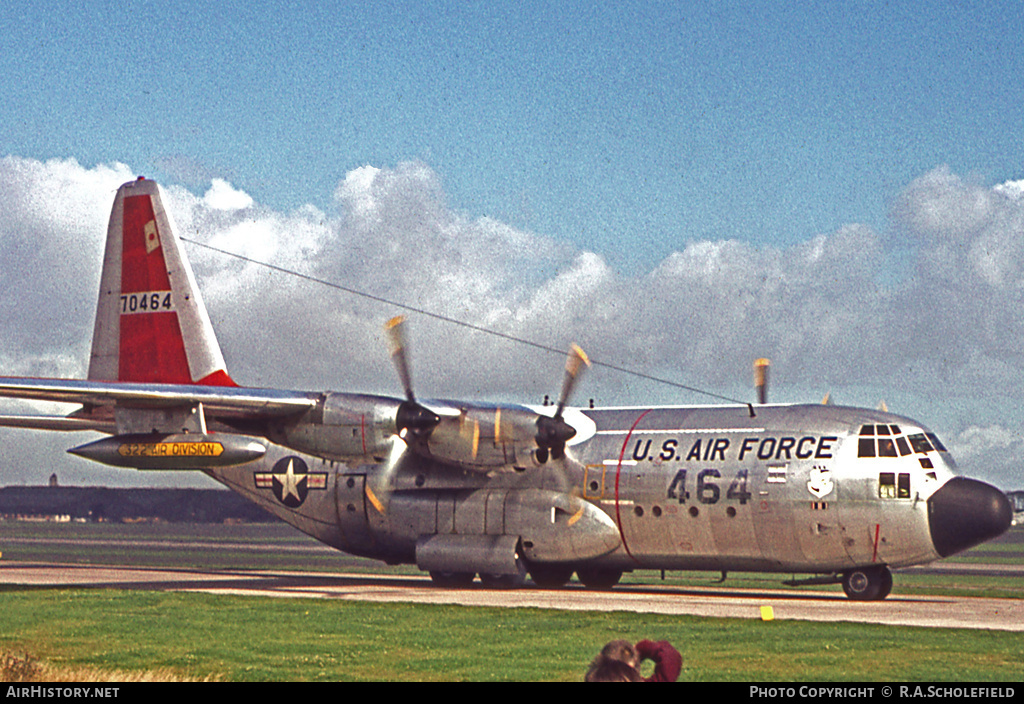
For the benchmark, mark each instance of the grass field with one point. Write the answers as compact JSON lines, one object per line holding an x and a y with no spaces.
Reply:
{"x":244,"y":638}
{"x":266,"y":639}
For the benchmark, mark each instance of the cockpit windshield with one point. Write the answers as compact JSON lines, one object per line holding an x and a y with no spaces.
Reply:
{"x":889,"y":440}
{"x":935,"y":442}
{"x":920,"y":443}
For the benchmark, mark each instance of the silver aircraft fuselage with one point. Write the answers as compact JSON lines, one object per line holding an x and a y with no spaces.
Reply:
{"x":795,"y":488}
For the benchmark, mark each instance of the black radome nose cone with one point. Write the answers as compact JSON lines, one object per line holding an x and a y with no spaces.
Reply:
{"x":966,"y":512}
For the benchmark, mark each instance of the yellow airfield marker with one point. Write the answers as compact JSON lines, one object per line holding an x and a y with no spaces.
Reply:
{"x":767,"y":613}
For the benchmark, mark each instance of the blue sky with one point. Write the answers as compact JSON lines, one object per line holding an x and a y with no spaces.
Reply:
{"x":629,"y":128}
{"x":680,"y":187}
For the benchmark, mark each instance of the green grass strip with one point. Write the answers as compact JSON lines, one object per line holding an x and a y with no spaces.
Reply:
{"x":274,"y":639}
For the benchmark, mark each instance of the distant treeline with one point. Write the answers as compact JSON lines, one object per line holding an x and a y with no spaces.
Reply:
{"x":96,"y":503}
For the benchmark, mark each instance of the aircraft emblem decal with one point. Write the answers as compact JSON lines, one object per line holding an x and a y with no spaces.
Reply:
{"x":820,"y":482}
{"x":152,"y":239}
{"x":291,"y":480}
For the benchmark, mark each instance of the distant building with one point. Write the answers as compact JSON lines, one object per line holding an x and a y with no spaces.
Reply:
{"x":97,"y":503}
{"x":53,"y":479}
{"x":1017,"y":501}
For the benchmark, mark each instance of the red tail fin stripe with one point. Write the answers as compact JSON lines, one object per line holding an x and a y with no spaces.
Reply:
{"x":142,"y":258}
{"x":152,"y":350}
{"x":218,"y":378}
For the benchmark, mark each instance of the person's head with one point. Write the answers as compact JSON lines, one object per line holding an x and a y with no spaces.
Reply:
{"x":616,"y":663}
{"x":621,"y":650}
{"x":608,"y":670}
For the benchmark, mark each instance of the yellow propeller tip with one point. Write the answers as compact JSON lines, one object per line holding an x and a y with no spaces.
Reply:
{"x":578,"y":351}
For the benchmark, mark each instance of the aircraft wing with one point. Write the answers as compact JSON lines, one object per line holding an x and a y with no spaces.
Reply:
{"x":217,"y":401}
{"x":64,"y":423}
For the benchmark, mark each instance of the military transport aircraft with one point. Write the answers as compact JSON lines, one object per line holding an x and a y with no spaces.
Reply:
{"x":462,"y":489}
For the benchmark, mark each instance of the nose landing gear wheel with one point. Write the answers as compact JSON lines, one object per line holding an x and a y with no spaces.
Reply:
{"x":867,"y":583}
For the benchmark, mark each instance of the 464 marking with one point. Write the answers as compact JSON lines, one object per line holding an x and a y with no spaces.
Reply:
{"x":708,"y":489}
{"x":147,"y":302}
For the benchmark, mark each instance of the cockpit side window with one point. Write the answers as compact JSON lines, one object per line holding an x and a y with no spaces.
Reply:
{"x":903,"y":485}
{"x":887,"y":485}
{"x":894,"y":486}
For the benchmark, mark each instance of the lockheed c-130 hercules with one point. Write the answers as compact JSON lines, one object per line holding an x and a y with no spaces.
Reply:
{"x":505,"y":491}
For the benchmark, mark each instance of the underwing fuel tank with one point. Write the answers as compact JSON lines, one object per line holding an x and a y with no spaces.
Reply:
{"x":180,"y":451}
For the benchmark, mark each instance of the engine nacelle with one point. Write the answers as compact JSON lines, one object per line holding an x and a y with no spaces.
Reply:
{"x":343,"y":427}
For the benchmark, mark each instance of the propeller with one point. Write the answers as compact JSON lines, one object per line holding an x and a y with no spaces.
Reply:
{"x":552,"y":431}
{"x":414,"y":422}
{"x":474,"y":434}
{"x":413,"y":419}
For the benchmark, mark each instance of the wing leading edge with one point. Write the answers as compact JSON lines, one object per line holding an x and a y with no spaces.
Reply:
{"x":99,"y":398}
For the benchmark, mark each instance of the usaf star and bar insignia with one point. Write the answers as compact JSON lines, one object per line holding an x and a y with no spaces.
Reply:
{"x":291,"y":481}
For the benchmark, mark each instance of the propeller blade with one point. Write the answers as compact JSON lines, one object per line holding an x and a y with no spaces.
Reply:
{"x":412,"y":417}
{"x":574,"y":364}
{"x":380,"y":485}
{"x":553,"y":432}
{"x":761,"y":380}
{"x":395,"y":329}
{"x":476,"y":439}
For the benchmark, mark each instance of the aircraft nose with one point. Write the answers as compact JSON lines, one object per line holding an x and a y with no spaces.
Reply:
{"x":965,"y":512}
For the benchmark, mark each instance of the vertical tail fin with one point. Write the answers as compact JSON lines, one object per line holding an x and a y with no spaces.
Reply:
{"x":151,"y":324}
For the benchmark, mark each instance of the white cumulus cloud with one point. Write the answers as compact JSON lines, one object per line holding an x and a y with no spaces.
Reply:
{"x":822,"y":310}
{"x":223,"y":196}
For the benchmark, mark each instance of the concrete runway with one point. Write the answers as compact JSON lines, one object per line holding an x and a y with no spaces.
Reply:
{"x":723,"y":601}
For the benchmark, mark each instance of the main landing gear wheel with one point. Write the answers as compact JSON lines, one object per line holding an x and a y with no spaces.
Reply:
{"x":501,"y":581}
{"x":599,"y":578}
{"x":453,"y":580}
{"x":868,"y":583}
{"x":550,"y":576}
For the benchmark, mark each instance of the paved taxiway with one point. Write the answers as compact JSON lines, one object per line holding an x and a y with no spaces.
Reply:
{"x":944,"y":611}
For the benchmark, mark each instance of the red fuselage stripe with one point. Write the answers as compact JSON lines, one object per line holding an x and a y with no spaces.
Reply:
{"x":618,"y":471}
